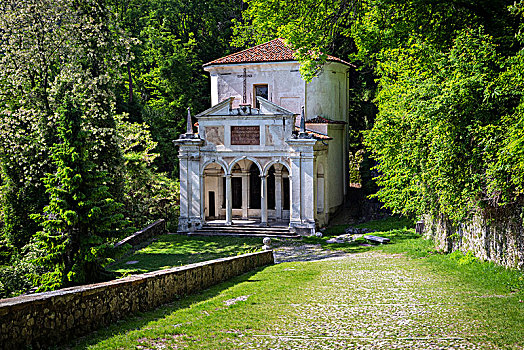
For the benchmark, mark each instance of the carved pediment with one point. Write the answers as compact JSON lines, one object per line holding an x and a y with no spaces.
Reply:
{"x":268,"y":107}
{"x":221,"y":108}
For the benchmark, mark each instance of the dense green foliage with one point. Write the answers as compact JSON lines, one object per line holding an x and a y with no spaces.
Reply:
{"x":60,"y":157}
{"x":81,"y":213}
{"x":175,"y":37}
{"x":444,"y":135}
{"x":148,"y":194}
{"x":92,"y":94}
{"x":447,"y":138}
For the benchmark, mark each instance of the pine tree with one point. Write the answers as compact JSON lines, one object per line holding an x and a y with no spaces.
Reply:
{"x":81,"y":213}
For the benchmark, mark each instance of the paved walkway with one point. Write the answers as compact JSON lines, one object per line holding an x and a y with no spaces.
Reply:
{"x":295,"y":250}
{"x":371,"y":301}
{"x":331,"y":300}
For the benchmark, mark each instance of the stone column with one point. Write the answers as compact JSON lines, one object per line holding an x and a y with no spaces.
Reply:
{"x":229,"y":201}
{"x":183,"y":219}
{"x":190,"y":195}
{"x":303,"y":204}
{"x":194,"y":182}
{"x":308,"y":183}
{"x":278,"y":192}
{"x":202,"y":199}
{"x":263,"y":203}
{"x":295,"y":215}
{"x":245,"y":193}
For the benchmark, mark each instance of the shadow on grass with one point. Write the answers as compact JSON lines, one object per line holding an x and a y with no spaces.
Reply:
{"x":141,"y":319}
{"x":176,"y":250}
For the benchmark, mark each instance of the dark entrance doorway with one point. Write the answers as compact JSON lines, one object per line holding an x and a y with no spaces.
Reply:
{"x":236,"y":192}
{"x":285,"y":196}
{"x":236,"y":187}
{"x":271,"y":188}
{"x":211,"y":203}
{"x":254,"y":187}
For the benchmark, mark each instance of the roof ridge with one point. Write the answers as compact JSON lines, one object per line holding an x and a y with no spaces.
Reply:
{"x":318,"y":119}
{"x":275,"y":50}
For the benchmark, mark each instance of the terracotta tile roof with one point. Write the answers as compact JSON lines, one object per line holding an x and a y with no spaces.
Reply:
{"x":316,"y":135}
{"x":273,"y":51}
{"x":321,"y":120}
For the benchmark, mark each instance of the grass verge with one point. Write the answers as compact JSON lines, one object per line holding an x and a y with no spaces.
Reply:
{"x":400,"y":231}
{"x":375,"y":301}
{"x":175,"y":250}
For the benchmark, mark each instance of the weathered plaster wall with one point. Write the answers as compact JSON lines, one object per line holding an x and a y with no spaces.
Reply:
{"x":494,"y":235}
{"x":285,"y":86}
{"x":44,"y":319}
{"x":337,"y":163}
{"x":326,"y":94}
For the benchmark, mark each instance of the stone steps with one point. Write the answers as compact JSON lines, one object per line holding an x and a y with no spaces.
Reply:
{"x":244,"y":231}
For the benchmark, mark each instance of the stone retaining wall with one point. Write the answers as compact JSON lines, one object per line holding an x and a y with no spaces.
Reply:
{"x":156,"y":228}
{"x":41,"y":320}
{"x":495,"y":235}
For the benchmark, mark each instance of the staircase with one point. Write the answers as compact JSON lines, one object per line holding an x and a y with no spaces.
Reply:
{"x":248,"y":229}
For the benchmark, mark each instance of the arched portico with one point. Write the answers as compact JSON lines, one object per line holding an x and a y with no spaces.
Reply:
{"x":278,"y":184}
{"x":243,"y":188}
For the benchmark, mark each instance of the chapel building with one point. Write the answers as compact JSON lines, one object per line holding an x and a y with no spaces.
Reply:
{"x":272,"y":147}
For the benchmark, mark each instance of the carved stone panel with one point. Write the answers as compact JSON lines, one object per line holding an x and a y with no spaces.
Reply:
{"x":269,"y":136}
{"x":273,"y":135}
{"x":215,"y":134}
{"x":245,"y":135}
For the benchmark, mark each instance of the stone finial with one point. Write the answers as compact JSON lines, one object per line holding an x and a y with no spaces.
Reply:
{"x":189,"y":129}
{"x":267,"y":243}
{"x":302,"y":121}
{"x":302,"y":134}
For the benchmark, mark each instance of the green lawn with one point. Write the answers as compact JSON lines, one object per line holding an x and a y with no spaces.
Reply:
{"x":175,"y":250}
{"x":401,"y":232}
{"x":379,"y":299}
{"x":397,"y":229}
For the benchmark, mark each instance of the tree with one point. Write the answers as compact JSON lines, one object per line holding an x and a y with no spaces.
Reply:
{"x":165,"y":77}
{"x":148,"y":194}
{"x":438,"y":126}
{"x":81,"y":213}
{"x":49,"y":50}
{"x":447,"y":135}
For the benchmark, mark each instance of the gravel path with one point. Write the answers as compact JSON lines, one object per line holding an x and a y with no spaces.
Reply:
{"x":292,"y":250}
{"x":320,"y":299}
{"x":369,"y":301}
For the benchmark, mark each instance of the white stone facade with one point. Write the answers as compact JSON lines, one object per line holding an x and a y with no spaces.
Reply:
{"x":248,"y":162}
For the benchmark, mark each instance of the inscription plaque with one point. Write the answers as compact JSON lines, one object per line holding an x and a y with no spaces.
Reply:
{"x":245,"y":135}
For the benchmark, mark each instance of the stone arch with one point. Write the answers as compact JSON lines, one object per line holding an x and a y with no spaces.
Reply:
{"x":216,"y":161}
{"x":213,"y":171}
{"x":234,"y":162}
{"x":273,"y":162}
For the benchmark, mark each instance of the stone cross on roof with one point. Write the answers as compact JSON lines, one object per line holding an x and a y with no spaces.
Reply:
{"x":244,"y":76}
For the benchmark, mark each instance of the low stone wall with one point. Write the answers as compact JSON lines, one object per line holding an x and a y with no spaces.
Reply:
{"x":494,"y":235}
{"x":41,"y":320}
{"x":156,"y":228}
